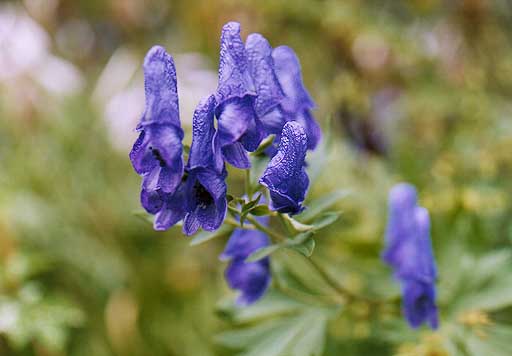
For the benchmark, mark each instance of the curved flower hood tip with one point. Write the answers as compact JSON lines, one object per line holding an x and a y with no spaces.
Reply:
{"x":238,"y":127}
{"x":285,"y":176}
{"x":297,"y":103}
{"x":409,"y":252}
{"x":268,"y":89}
{"x":157,"y":153}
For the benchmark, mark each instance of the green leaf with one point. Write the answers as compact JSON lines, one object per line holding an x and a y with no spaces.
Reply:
{"x":306,"y":248}
{"x":204,"y":236}
{"x":251,"y":204}
{"x":318,"y":206}
{"x":243,"y":338}
{"x":301,"y":333}
{"x":296,"y":225}
{"x":326,"y":220}
{"x":260,"y":210}
{"x":267,"y":142}
{"x":262,"y":253}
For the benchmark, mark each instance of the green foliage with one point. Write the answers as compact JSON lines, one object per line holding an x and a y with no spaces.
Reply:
{"x":81,"y":274}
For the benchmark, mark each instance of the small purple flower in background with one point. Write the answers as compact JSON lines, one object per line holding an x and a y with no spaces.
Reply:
{"x":252,"y":279}
{"x":157,"y":153}
{"x":409,"y":252}
{"x":285,"y":176}
{"x":239,"y":128}
{"x":205,"y":184}
{"x":297,"y":103}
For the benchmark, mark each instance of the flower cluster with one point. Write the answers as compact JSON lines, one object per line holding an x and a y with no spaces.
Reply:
{"x":409,"y":252}
{"x":260,"y":93}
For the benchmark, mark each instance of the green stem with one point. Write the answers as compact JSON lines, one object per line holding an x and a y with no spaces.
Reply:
{"x":349,"y":295}
{"x":247,"y":182}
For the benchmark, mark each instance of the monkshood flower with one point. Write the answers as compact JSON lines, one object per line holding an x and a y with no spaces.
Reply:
{"x":252,"y":279}
{"x":200,"y":199}
{"x":409,"y":252}
{"x":285,"y":176}
{"x":297,"y":103}
{"x":238,"y":125}
{"x":205,"y":184}
{"x":157,"y":153}
{"x":268,"y":89}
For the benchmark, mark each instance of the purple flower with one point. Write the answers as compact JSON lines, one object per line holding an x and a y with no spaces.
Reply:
{"x":205,"y":184}
{"x":268,"y":89}
{"x":157,"y":153}
{"x":238,"y":125}
{"x":409,"y":252}
{"x":250,"y":278}
{"x":297,"y":103}
{"x":285,"y":176}
{"x":200,"y":199}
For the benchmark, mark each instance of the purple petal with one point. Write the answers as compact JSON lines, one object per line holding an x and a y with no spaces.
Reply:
{"x":313,"y":130}
{"x":234,"y":76}
{"x":191,"y":224}
{"x":261,"y":67}
{"x":173,"y":209}
{"x":236,"y":155}
{"x":142,"y":159}
{"x":204,"y":151}
{"x":273,"y":121}
{"x":160,"y":89}
{"x":288,"y":71}
{"x":207,"y":204}
{"x":253,"y":136}
{"x":409,"y":252}
{"x":419,"y":303}
{"x":244,"y":242}
{"x":251,"y":279}
{"x":285,"y":176}
{"x":151,"y":201}
{"x":235,"y":116}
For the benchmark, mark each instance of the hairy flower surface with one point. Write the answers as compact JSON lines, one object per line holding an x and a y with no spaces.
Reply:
{"x":409,"y":252}
{"x":252,"y":279}
{"x":285,"y":176}
{"x":268,"y":89}
{"x":157,"y":153}
{"x":238,"y":126}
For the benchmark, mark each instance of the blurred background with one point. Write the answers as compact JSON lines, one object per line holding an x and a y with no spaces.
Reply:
{"x":415,"y":90}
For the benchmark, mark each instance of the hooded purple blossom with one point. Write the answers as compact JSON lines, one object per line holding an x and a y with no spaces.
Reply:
{"x":297,"y":103}
{"x":250,"y":278}
{"x":157,"y":153}
{"x":205,"y":184}
{"x":285,"y":176}
{"x":200,"y":199}
{"x":238,"y":125}
{"x":409,"y":252}
{"x":268,"y":89}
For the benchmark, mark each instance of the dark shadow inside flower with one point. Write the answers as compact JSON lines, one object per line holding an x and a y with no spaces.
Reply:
{"x":419,"y":303}
{"x":157,"y":156}
{"x":205,"y":200}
